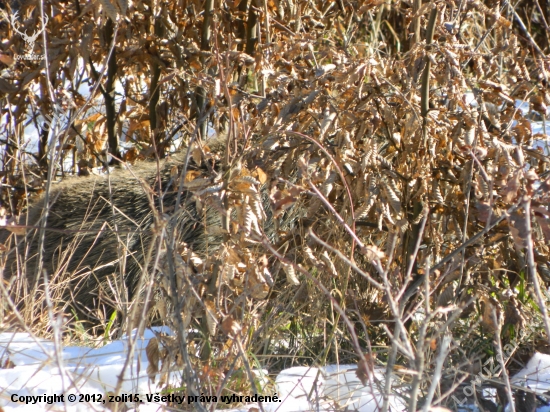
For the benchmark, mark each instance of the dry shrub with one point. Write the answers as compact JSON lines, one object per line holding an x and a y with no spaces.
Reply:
{"x":358,"y":203}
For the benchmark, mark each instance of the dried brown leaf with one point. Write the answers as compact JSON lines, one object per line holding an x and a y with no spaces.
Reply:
{"x":510,"y":191}
{"x":290,"y":274}
{"x":513,"y":315}
{"x":491,"y":314}
{"x":542,"y":216}
{"x":257,"y":286}
{"x":365,"y":369}
{"x":518,"y":229}
{"x":211,"y":317}
{"x":153,"y":356}
{"x":373,"y":252}
{"x":329,"y":264}
{"x":230,"y":326}
{"x":110,"y":10}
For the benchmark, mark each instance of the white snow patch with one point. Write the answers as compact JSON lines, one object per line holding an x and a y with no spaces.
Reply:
{"x":84,"y":371}
{"x":535,"y":375}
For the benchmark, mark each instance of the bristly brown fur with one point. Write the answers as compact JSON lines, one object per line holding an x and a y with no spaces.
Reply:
{"x":99,"y":230}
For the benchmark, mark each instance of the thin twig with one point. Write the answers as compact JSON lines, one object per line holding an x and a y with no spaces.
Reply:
{"x":500,"y":358}
{"x":444,"y":348}
{"x":526,"y":32}
{"x":405,"y":290}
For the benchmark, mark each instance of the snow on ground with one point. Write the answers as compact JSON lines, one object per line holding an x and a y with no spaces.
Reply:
{"x":535,"y":375}
{"x":81,"y":370}
{"x":33,"y":367}
{"x":30,"y":367}
{"x":330,"y":388}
